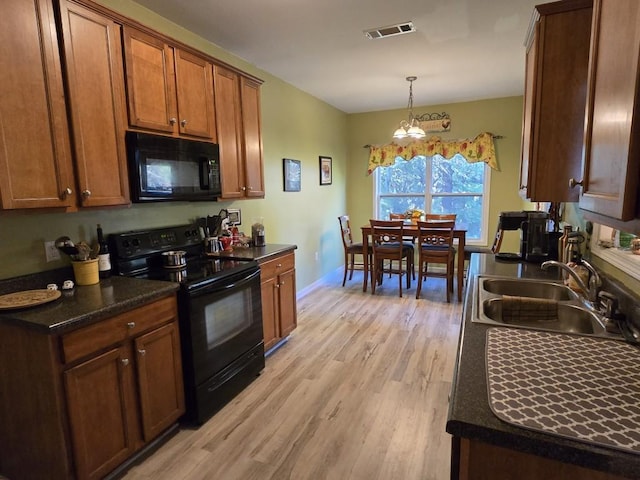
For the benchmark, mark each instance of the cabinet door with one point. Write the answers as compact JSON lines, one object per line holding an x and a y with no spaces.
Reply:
{"x":101,"y":408}
{"x":194,"y":86}
{"x":159,"y":379}
{"x":252,"y":138}
{"x":270,"y":311}
{"x":287,"y":297}
{"x":528,"y":114}
{"x":556,"y":77}
{"x":151,"y":80}
{"x":612,"y":135}
{"x":229,"y":125}
{"x":35,"y":154}
{"x":93,"y":59}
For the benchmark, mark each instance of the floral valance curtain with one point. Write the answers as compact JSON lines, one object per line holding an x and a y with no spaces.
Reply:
{"x":480,"y":149}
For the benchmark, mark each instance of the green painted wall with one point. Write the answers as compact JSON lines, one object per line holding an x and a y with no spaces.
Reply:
{"x":502,"y":116}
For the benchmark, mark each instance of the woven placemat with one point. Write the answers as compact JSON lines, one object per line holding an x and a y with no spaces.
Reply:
{"x":577,"y":387}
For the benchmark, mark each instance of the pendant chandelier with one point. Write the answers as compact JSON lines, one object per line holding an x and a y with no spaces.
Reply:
{"x":409,"y":128}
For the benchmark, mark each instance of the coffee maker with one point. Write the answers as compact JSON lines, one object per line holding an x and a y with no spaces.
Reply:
{"x":534,"y":237}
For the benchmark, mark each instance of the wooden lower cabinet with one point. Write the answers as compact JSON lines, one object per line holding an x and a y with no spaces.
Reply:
{"x":101,"y":405}
{"x":476,"y":460}
{"x":279,"y":311}
{"x":103,"y":393}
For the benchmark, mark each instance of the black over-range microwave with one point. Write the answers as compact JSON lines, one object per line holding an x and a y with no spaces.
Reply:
{"x":172,"y":169}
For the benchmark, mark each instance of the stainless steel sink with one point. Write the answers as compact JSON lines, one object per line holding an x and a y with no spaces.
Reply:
{"x":528,"y":288}
{"x":570,"y":318}
{"x":573,"y":315}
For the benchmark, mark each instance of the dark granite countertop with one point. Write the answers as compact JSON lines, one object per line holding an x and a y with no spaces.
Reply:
{"x":82,"y":305}
{"x":260,"y":254}
{"x":469,"y":413}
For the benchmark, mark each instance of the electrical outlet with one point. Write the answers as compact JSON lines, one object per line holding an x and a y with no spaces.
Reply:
{"x":51,"y":252}
{"x":317,"y":256}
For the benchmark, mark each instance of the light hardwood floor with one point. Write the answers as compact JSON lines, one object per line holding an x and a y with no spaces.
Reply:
{"x":360,"y":391}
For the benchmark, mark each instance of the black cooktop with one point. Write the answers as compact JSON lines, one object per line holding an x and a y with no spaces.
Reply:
{"x":139,"y":254}
{"x":198,"y":271}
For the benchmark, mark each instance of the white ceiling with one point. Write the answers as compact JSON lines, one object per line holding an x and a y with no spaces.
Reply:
{"x":462,"y":50}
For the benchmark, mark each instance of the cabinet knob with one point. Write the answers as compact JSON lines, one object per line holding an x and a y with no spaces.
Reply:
{"x":125,"y":361}
{"x":86,"y":193}
{"x":131,"y":324}
{"x":278,"y":265}
{"x":573,"y":183}
{"x":66,"y":192}
{"x":249,"y":188}
{"x":183,"y":122}
{"x":277,"y":285}
{"x":142,"y":352}
{"x":173,"y":120}
{"x":243,"y":188}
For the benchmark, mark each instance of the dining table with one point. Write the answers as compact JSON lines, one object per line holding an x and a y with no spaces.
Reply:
{"x":411,"y":230}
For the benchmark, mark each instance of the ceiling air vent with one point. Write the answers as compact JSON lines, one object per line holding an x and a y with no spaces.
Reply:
{"x":391,"y":30}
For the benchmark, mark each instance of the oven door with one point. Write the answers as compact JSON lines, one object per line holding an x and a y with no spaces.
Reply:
{"x":220,"y":322}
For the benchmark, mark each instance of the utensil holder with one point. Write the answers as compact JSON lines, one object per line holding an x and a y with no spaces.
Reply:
{"x":86,"y":272}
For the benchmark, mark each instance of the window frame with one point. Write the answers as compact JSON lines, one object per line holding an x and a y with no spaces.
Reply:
{"x":624,"y":260}
{"x":429,"y":195}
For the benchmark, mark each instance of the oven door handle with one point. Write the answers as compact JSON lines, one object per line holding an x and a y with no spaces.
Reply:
{"x":228,"y":286}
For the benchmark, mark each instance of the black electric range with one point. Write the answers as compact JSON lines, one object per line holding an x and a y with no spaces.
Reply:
{"x":219,"y":310}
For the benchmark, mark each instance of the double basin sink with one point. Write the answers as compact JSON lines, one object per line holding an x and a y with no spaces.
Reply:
{"x":547,"y":306}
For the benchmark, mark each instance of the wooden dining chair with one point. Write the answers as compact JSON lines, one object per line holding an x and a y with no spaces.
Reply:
{"x":435,"y":245}
{"x":351,"y":249}
{"x":388,"y":245}
{"x":438,"y":217}
{"x":407,"y":238}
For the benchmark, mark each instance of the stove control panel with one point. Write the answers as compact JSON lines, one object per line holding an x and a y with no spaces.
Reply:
{"x":141,"y":243}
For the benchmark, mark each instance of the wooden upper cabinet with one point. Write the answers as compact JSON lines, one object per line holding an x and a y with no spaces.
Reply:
{"x":554,"y":101}
{"x":612,"y":134}
{"x":169,"y":90}
{"x":239,"y":134}
{"x":252,"y":137}
{"x":229,"y":126}
{"x":95,"y":79}
{"x":36,"y":168}
{"x":150,"y":82}
{"x":194,"y":87}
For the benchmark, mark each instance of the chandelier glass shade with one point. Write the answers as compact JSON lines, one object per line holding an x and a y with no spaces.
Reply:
{"x":409,"y":128}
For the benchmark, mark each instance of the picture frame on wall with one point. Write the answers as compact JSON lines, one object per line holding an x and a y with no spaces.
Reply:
{"x":326,"y":170}
{"x":291,"y":175}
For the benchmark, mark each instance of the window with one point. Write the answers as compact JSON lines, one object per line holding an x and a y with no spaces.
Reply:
{"x":436,"y":185}
{"x":616,"y":248}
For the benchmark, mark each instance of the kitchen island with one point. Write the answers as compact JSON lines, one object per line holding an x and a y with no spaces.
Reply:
{"x":487,"y":447}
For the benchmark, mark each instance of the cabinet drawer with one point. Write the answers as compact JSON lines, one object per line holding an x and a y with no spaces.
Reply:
{"x":98,"y":336}
{"x":276,"y":266}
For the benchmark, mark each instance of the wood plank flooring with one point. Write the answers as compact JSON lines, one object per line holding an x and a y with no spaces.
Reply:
{"x":360,"y":391}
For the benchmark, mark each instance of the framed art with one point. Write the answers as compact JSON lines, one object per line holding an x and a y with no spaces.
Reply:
{"x":326,"y":171}
{"x":291,"y":175}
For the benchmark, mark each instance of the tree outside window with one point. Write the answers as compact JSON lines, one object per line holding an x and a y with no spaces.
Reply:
{"x":436,"y":185}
